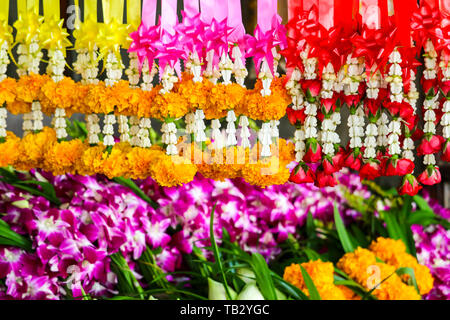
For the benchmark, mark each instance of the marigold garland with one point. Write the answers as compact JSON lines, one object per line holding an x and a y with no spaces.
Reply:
{"x":186,"y":96}
{"x":42,"y":150}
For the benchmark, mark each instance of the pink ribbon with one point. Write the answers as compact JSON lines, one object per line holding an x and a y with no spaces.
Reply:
{"x":207,"y":10}
{"x":267,"y":9}
{"x":149,"y":13}
{"x":235,"y":20}
{"x":191,"y":7}
{"x":169,"y":15}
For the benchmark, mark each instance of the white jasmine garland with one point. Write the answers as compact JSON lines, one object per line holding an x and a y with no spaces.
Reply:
{"x":4,"y":61}
{"x":142,"y":139}
{"x":431,"y":102}
{"x":93,"y":128}
{"x":199,"y":126}
{"x":55,"y":69}
{"x":328,"y":136}
{"x":395,"y":95}
{"x":373,"y":87}
{"x":216,"y":135}
{"x":148,"y":75}
{"x":124,"y":129}
{"x":132,"y":71}
{"x":3,"y":115}
{"x":135,"y":141}
{"x":231,"y":129}
{"x":169,"y":137}
{"x":108,"y":130}
{"x":264,"y":136}
{"x":294,"y":89}
{"x":239,"y":69}
{"x":87,"y":66}
{"x":245,"y":132}
{"x":351,"y":81}
{"x":300,"y":146}
{"x":445,"y":120}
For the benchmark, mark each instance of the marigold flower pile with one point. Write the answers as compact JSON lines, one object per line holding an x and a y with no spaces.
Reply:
{"x":365,"y":267}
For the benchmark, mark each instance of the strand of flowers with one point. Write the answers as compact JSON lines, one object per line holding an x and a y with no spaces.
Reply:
{"x":98,"y":98}
{"x":86,"y":65}
{"x":114,"y":68}
{"x":373,"y":82}
{"x":226,"y":69}
{"x":168,"y":128}
{"x":412,"y":97}
{"x":313,"y":151}
{"x":293,"y":86}
{"x":445,"y":120}
{"x":329,"y":137}
{"x":265,"y":134}
{"x":4,"y":61}
{"x":396,"y":97}
{"x":140,"y":127}
{"x":352,"y":79}
{"x":43,"y":150}
{"x":431,"y":175}
{"x":28,"y":63}
{"x":56,"y":69}
{"x":195,"y":68}
{"x":240,"y":73}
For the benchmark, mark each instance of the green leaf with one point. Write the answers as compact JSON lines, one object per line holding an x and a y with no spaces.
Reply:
{"x":150,"y":270}
{"x":412,"y":277}
{"x":141,"y":194}
{"x":313,"y":293}
{"x":396,"y":231}
{"x":359,"y":236}
{"x":9,"y":237}
{"x":289,"y":288}
{"x":422,"y":217}
{"x":312,"y":254}
{"x":342,"y":232}
{"x":422,"y":203}
{"x":263,"y":276}
{"x":126,"y":281}
{"x":216,"y":252}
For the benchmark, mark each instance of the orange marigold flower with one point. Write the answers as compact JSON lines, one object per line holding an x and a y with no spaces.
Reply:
{"x":140,"y":160}
{"x":7,"y":90}
{"x":266,"y":172}
{"x":170,"y":171}
{"x":115,"y":163}
{"x":29,"y":87}
{"x":91,"y":161}
{"x":62,"y":157}
{"x":18,"y":107}
{"x":10,"y":149}
{"x":170,"y":105}
{"x":33,"y":148}
{"x":393,"y":252}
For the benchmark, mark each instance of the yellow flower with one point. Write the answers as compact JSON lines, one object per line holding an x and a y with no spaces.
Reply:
{"x":33,"y":148}
{"x":393,"y":252}
{"x":10,"y":149}
{"x":91,"y":161}
{"x":7,"y":90}
{"x":115,"y":163}
{"x":62,"y":157}
{"x":170,"y":171}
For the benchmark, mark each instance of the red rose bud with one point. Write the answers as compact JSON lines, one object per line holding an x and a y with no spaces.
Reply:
{"x":351,"y":100}
{"x":430,"y":176}
{"x":332,"y":165}
{"x":393,"y":107}
{"x":430,"y":145}
{"x":411,"y":121}
{"x":329,"y":104}
{"x":311,"y":87}
{"x":399,"y":167}
{"x":302,"y":174}
{"x":313,"y":152}
{"x":409,"y":186}
{"x":325,"y":180}
{"x":372,"y":106}
{"x":406,"y":111}
{"x":370,"y":170}
{"x":445,"y":88}
{"x":352,"y":161}
{"x":446,"y":151}
{"x":295,"y":116}
{"x":417,"y":134}
{"x":362,"y":89}
{"x":383,"y":93}
{"x":430,"y":86}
